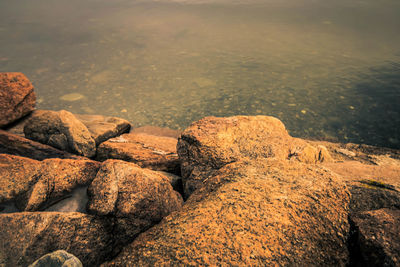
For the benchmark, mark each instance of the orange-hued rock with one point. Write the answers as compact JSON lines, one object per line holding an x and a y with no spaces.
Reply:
{"x":17,"y":175}
{"x":138,"y":198}
{"x":61,"y":130}
{"x":103,"y":128}
{"x":377,"y":237}
{"x":26,"y":236}
{"x":20,"y":146}
{"x":147,"y":151}
{"x":34,"y":185}
{"x":17,"y":97}
{"x":212,"y":142}
{"x":259,"y":213}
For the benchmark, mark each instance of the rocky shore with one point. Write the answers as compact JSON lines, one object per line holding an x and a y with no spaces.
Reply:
{"x":90,"y":190}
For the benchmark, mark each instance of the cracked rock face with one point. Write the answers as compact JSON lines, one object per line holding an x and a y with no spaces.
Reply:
{"x":137,"y":198}
{"x":147,"y":151}
{"x":252,"y":213}
{"x":17,"y":97}
{"x":377,"y":237}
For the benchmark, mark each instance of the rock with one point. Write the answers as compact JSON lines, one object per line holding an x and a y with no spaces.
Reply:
{"x":75,"y":201}
{"x":35,"y":185}
{"x":377,"y":238}
{"x":175,"y":181}
{"x":259,"y":213}
{"x":138,"y":198}
{"x":28,"y":236}
{"x":372,"y":186}
{"x":103,"y":128}
{"x":61,"y":130}
{"x":366,"y":198}
{"x":17,"y":97}
{"x":17,"y":175}
{"x":211,"y":143}
{"x":20,"y":146}
{"x":147,"y":151}
{"x":355,"y":171}
{"x":157,"y":131}
{"x":59,"y":258}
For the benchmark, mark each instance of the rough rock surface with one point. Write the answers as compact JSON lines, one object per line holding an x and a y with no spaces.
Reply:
{"x":103,"y":128}
{"x":59,"y":258}
{"x":138,"y":198}
{"x":212,"y":142}
{"x":147,"y":151}
{"x":259,"y":213}
{"x":20,"y":146}
{"x":17,"y":175}
{"x":29,"y":235}
{"x":371,"y":173}
{"x":61,"y":130}
{"x":377,"y":237}
{"x":17,"y":97}
{"x":35,"y":185}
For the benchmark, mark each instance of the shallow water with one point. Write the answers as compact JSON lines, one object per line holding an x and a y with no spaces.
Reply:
{"x":327,"y":69}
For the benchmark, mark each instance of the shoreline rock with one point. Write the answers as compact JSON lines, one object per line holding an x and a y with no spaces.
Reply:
{"x":255,"y":195}
{"x":148,"y":151}
{"x":61,"y":130}
{"x":17,"y":97}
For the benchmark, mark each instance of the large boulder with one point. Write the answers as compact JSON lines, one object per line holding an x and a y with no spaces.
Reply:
{"x":61,"y":130}
{"x":26,"y":236}
{"x":59,"y":258}
{"x":377,"y":238}
{"x":20,"y":146}
{"x":17,"y":97}
{"x":138,"y":198}
{"x":259,"y":213}
{"x":35,"y":185}
{"x":147,"y":151}
{"x":103,"y":128}
{"x":211,"y":143}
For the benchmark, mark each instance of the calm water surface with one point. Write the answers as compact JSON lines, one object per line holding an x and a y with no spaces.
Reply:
{"x":327,"y":69}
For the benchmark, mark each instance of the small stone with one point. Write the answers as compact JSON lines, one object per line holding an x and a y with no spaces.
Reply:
{"x":351,"y":107}
{"x":303,"y":111}
{"x":72,"y":97}
{"x":124,"y":110}
{"x":57,"y":258}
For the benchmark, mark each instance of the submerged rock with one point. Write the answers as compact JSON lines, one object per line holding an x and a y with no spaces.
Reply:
{"x":61,"y":130}
{"x":138,"y":198}
{"x":377,"y":238}
{"x":147,"y":151}
{"x":254,"y":213}
{"x":103,"y":128}
{"x":29,"y":235}
{"x":17,"y":97}
{"x":72,"y":97}
{"x":157,"y":131}
{"x":59,"y":258}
